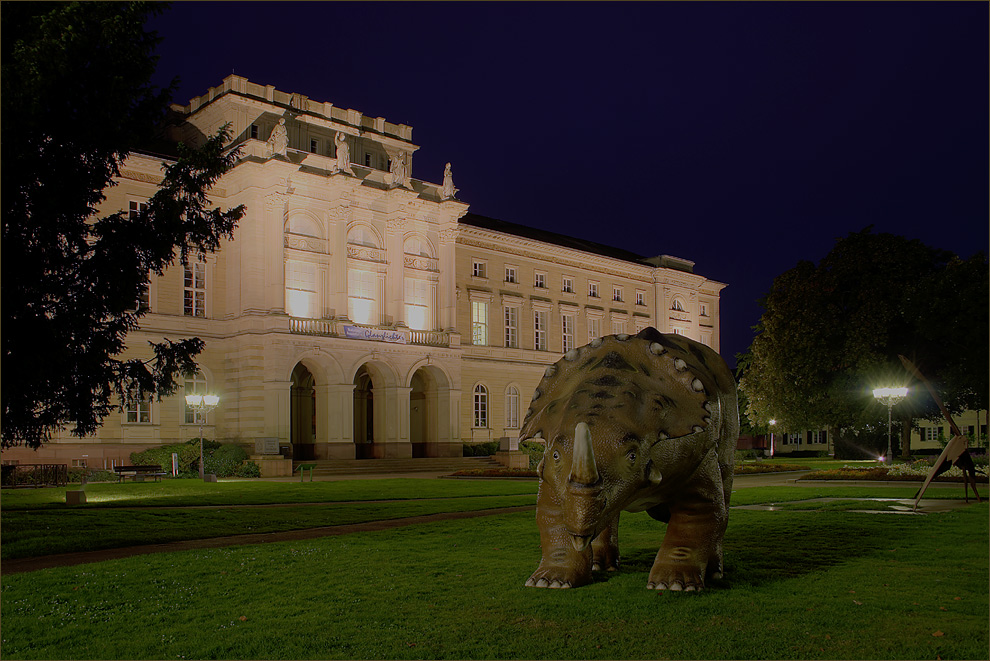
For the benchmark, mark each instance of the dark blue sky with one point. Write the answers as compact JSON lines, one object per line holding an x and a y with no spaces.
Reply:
{"x":742,"y":136}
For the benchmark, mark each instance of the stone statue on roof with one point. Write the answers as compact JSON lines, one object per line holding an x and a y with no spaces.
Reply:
{"x":398,"y":169}
{"x":343,"y":162}
{"x":278,"y":141}
{"x":447,"y":191}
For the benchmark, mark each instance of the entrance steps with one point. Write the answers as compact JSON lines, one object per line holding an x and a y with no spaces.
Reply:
{"x":387,"y":466}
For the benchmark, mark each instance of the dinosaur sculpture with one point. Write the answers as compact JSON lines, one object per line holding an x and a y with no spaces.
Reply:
{"x":645,"y":422}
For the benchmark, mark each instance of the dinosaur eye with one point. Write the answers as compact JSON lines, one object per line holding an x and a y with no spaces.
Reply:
{"x":556,"y":456}
{"x":631,"y":456}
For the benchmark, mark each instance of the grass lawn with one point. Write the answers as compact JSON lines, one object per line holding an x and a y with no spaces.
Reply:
{"x":799,"y":584}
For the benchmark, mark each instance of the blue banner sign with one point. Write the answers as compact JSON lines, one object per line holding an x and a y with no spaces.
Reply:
{"x":376,"y":334}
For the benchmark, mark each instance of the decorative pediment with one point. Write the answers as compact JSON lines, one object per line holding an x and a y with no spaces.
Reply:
{"x":306,"y":243}
{"x":421,"y":263}
{"x":366,"y":254}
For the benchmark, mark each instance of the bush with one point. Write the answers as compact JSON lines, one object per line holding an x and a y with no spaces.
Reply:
{"x":91,"y":474}
{"x":486,"y":449}
{"x":535,"y":451}
{"x":248,"y":469}
{"x":224,"y":460}
{"x":162,"y":456}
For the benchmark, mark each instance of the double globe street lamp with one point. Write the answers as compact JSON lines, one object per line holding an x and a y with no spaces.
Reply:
{"x":889,"y":397}
{"x":202,"y":405}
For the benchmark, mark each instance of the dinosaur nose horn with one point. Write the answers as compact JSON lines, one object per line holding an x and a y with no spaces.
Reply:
{"x":583,"y":467}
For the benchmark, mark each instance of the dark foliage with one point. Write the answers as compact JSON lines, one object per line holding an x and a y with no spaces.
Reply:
{"x":76,"y":99}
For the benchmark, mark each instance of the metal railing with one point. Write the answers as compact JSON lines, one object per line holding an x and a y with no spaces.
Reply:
{"x":35,"y":475}
{"x":330,"y":328}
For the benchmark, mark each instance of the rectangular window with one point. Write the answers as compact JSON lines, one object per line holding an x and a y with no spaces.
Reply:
{"x":479,"y":269}
{"x":363,"y":293}
{"x":594,"y":329}
{"x":138,"y":408}
{"x":367,"y":160}
{"x":254,"y":131}
{"x":618,"y":327}
{"x":134,"y":207}
{"x":481,"y":407}
{"x":511,"y":327}
{"x":143,"y":303}
{"x":593,"y":289}
{"x":540,"y":281}
{"x":419,"y":302}
{"x":510,"y":273}
{"x":640,"y":298}
{"x":314,"y":146}
{"x":567,"y":285}
{"x":567,"y":332}
{"x":703,"y":309}
{"x":933,"y":433}
{"x":617,"y":294}
{"x":194,"y":289}
{"x":539,"y":330}
{"x":300,"y":289}
{"x":512,"y":408}
{"x":479,"y":323}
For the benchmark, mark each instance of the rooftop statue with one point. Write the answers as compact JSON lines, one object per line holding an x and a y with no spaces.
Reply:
{"x":633,"y":423}
{"x":343,"y":162}
{"x":447,"y":191}
{"x":398,"y":169}
{"x":278,"y":141}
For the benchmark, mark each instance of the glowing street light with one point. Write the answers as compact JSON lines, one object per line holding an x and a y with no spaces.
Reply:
{"x":888,"y":397}
{"x":772,"y":423}
{"x":202,"y":404}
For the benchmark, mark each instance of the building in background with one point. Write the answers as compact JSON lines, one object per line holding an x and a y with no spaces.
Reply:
{"x":360,"y":312}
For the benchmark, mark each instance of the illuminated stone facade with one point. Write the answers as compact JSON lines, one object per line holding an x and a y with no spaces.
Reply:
{"x":360,"y":312}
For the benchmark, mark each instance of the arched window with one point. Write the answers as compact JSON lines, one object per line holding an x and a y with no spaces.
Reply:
{"x":417,"y":246}
{"x":480,"y":406}
{"x":677,"y":305}
{"x":304,"y":226}
{"x":512,"y":407}
{"x":195,"y":385}
{"x":359,"y":235}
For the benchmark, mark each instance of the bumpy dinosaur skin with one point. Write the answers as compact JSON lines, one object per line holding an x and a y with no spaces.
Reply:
{"x":646,"y":422}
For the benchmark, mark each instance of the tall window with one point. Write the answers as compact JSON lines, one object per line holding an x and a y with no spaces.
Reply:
{"x":362,"y":296}
{"x":479,"y":323}
{"x":703,"y":309}
{"x":194,"y":288}
{"x":617,"y":294}
{"x":567,"y":285}
{"x":480,"y":406}
{"x":567,"y":332}
{"x":510,"y":274}
{"x":640,"y":298}
{"x":301,"y":296}
{"x":540,"y":280}
{"x":143,"y":302}
{"x":618,"y":327}
{"x":137,"y":408}
{"x":512,"y":408}
{"x":511,"y":327}
{"x":539,"y":330}
{"x":593,"y":289}
{"x":195,"y":385}
{"x":479,"y":269}
{"x":419,"y":299}
{"x":594,"y":329}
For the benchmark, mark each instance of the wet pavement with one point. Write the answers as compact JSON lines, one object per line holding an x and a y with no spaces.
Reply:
{"x":884,"y":505}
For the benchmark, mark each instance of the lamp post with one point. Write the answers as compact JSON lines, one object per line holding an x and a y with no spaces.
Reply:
{"x":772,"y":423}
{"x":888,"y":397}
{"x":202,"y":405}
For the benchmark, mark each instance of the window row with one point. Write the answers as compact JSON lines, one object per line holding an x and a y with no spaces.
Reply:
{"x":138,"y":406}
{"x":481,"y":407}
{"x":596,"y":327}
{"x":479,"y":269}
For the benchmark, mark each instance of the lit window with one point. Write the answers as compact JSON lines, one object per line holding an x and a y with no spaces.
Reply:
{"x":567,"y":285}
{"x":478,"y":269}
{"x":567,"y":332}
{"x":512,"y":408}
{"x":359,"y":235}
{"x":511,"y":327}
{"x":617,"y":294}
{"x":594,"y":329}
{"x":363,"y":289}
{"x":301,"y":296}
{"x":539,"y":330}
{"x":414,"y":245}
{"x":138,"y":408}
{"x":419,"y":304}
{"x":480,"y":406}
{"x":479,"y":323}
{"x":195,"y":385}
{"x":194,"y":289}
{"x":510,"y":273}
{"x":540,"y":281}
{"x":640,"y":298}
{"x":593,"y":289}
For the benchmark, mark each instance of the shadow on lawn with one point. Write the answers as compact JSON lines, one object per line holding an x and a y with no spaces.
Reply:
{"x":758,"y":551}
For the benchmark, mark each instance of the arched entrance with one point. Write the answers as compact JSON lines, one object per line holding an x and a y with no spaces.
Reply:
{"x":364,"y":414}
{"x":429,"y":412}
{"x":302,"y":413}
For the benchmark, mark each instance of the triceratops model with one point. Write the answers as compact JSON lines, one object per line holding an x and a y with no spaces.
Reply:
{"x":645,"y":422}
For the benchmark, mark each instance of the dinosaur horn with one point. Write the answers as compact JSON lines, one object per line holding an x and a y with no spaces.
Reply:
{"x":583,"y":467}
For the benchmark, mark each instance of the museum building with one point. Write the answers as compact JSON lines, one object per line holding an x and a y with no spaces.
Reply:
{"x":360,"y":312}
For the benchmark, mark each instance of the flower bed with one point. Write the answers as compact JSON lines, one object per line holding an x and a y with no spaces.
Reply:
{"x":751,"y":469}
{"x":495,"y":472}
{"x":908,"y":472}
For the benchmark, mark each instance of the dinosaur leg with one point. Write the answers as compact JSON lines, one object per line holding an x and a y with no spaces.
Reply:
{"x":562,"y":566}
{"x":692,"y":546}
{"x":605,"y":548}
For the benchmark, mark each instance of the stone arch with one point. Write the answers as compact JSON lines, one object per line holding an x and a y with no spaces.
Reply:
{"x":304,"y":223}
{"x":376,"y":412}
{"x":431,"y":250}
{"x":357,"y":229}
{"x":322,"y":364}
{"x":430,"y":411}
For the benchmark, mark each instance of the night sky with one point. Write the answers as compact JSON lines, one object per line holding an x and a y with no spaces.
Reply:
{"x":744,"y":137}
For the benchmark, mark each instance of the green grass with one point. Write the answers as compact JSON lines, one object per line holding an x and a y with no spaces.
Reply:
{"x":801,"y":585}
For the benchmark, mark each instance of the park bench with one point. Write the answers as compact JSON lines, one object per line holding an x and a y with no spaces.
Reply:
{"x":138,"y":473}
{"x":305,"y":467}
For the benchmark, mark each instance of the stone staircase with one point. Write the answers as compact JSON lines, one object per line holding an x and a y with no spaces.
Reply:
{"x":389,"y":466}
